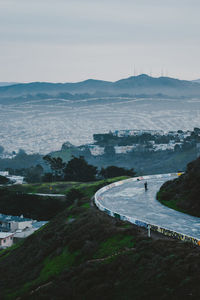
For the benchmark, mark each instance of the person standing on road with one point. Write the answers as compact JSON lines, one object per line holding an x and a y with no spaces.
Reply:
{"x":145,"y":186}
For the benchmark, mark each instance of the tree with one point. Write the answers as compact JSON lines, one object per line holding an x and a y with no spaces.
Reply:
{"x":77,"y":169}
{"x":197,"y":130}
{"x":113,"y":171}
{"x":4,"y":180}
{"x":48,"y":177}
{"x":34,"y":174}
{"x":57,"y":166}
{"x":74,"y":195}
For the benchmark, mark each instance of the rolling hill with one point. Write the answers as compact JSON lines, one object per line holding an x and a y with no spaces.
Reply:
{"x":7,"y":83}
{"x":84,"y":254}
{"x":142,"y":84}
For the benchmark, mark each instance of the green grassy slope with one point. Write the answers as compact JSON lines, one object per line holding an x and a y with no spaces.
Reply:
{"x":61,"y":187}
{"x":183,"y":193}
{"x":14,"y":200}
{"x":77,"y":234}
{"x":85,"y":254}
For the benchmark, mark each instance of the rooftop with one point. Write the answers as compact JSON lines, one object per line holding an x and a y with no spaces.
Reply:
{"x":4,"y":235}
{"x":9,"y":218}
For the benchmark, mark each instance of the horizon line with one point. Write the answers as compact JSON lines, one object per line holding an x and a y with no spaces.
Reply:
{"x":95,"y":79}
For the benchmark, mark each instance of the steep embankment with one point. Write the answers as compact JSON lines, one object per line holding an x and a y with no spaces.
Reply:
{"x":85,"y":254}
{"x":183,"y":193}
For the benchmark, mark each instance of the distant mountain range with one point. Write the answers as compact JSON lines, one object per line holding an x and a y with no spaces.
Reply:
{"x":135,"y":85}
{"x":7,"y":83}
{"x":196,"y":80}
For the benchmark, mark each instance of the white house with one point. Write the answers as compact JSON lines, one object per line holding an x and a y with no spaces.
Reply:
{"x":4,"y":173}
{"x":13,"y":223}
{"x":96,"y":150}
{"x":13,"y":178}
{"x":124,"y":149}
{"x":6,"y":239}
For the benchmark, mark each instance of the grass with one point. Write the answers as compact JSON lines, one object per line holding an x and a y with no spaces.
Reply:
{"x":5,"y":252}
{"x":172,"y":204}
{"x":89,"y":189}
{"x":169,"y":203}
{"x":63,"y":187}
{"x":52,"y":267}
{"x":45,"y":188}
{"x":114,"y":245}
{"x":126,"y":226}
{"x":86,"y":205}
{"x":70,"y":207}
{"x":70,"y":218}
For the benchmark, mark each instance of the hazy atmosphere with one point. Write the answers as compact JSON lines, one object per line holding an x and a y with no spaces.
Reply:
{"x":38,"y":127}
{"x":64,"y":41}
{"x":99,"y":149}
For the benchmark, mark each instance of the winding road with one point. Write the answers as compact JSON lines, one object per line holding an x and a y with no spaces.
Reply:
{"x":130,"y":199}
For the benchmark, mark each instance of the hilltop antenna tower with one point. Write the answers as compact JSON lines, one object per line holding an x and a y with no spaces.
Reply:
{"x":163,"y":72}
{"x":134,"y":72}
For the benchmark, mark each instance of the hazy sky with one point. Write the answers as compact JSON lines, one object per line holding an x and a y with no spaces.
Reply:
{"x":73,"y":40}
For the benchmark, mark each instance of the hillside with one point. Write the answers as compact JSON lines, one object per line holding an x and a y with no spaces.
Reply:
{"x":183,"y":193}
{"x":7,"y":83}
{"x":84,"y":254}
{"x":22,"y":198}
{"x":196,"y":80}
{"x":134,"y":85}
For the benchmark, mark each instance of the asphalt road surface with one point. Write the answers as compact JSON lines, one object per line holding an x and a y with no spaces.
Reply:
{"x":131,"y":199}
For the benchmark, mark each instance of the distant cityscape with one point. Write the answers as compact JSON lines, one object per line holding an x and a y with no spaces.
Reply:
{"x":125,"y":141}
{"x":153,"y":140}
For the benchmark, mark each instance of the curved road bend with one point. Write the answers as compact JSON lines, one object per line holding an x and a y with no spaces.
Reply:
{"x":130,"y":199}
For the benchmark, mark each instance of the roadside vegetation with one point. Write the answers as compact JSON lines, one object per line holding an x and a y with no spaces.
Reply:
{"x":4,"y":180}
{"x":15,"y":200}
{"x":183,"y":193}
{"x":84,"y":254}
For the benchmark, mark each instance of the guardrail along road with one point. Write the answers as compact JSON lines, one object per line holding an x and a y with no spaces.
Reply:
{"x":128,"y":200}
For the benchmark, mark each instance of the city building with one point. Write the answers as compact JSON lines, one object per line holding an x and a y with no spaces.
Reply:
{"x":13,"y":223}
{"x":136,"y":132}
{"x":6,"y":239}
{"x":96,"y":150}
{"x":13,"y":178}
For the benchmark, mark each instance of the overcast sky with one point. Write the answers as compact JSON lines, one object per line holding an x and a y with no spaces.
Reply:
{"x":73,"y":40}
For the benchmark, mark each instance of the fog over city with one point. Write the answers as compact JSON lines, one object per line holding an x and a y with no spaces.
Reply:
{"x":71,"y":41}
{"x":42,"y":127}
